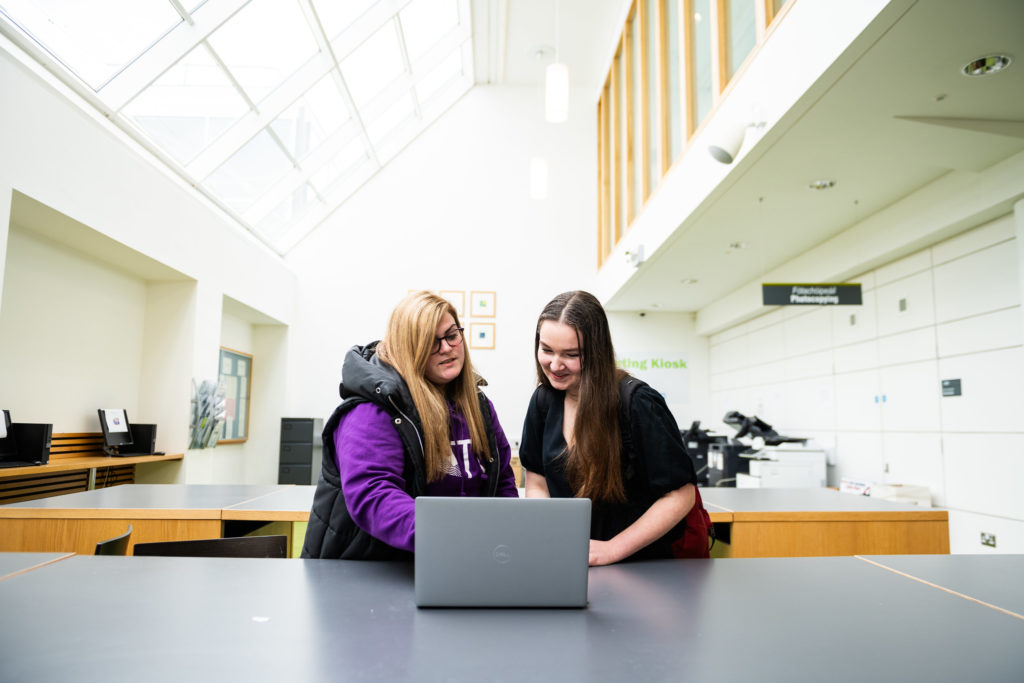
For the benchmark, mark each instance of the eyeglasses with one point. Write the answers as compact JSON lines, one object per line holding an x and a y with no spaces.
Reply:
{"x":453,"y":337}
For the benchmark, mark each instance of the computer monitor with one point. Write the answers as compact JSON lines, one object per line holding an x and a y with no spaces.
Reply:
{"x":8,"y":446}
{"x":116,"y":429}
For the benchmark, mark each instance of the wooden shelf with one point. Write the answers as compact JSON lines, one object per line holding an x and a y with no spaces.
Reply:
{"x":85,"y":463}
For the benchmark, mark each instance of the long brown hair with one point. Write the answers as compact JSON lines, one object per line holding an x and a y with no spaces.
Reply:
{"x":407,"y":346}
{"x":593,"y":463}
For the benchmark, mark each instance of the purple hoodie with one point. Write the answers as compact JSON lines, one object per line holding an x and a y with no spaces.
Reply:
{"x":370,"y":460}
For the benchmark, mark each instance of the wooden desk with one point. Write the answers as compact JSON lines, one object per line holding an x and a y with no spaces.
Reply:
{"x":838,"y":619}
{"x":284,"y":511}
{"x":818,"y":522}
{"x":157,"y":512}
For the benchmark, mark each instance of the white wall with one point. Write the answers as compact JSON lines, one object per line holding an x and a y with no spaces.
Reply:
{"x":453,"y":212}
{"x":866,"y":381}
{"x":672,"y":335}
{"x":71,"y":334}
{"x":175,"y":260}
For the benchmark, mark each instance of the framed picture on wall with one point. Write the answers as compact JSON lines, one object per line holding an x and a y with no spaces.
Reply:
{"x":457,"y":299}
{"x":236,"y":378}
{"x":483,"y":304}
{"x":481,"y":335}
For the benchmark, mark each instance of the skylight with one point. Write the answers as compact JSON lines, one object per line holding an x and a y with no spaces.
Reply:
{"x":277,"y":110}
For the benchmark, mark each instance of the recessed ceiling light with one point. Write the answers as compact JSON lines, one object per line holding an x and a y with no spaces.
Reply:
{"x":985,"y":66}
{"x":822,"y":184}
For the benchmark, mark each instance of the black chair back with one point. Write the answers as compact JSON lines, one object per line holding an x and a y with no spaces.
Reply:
{"x":242,"y":546}
{"x":118,"y":545}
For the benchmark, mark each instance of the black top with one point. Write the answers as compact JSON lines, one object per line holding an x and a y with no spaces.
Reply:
{"x":658,"y":463}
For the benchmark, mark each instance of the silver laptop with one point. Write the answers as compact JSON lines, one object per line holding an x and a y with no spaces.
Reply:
{"x":502,"y":552}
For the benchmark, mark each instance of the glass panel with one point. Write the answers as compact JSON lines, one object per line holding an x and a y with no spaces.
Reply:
{"x":425,"y":22}
{"x":94,"y":39}
{"x":351,"y":156}
{"x":291,"y":209}
{"x":264,"y":44}
{"x":701,"y":56}
{"x":676,"y":117}
{"x":742,"y":32}
{"x":777,"y":6}
{"x":338,"y":15}
{"x":188,"y":107}
{"x":606,"y":168}
{"x":621,"y":178}
{"x":651,"y":96}
{"x":445,"y":72}
{"x":636,"y":116}
{"x":374,"y":65}
{"x":395,"y":115}
{"x":248,"y":174}
{"x":316,"y":115}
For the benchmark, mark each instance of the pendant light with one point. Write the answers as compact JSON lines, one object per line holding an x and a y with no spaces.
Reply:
{"x":556,"y":85}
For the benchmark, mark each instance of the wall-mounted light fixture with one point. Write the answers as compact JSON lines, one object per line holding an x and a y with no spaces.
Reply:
{"x":726,"y":145}
{"x":635,"y":256}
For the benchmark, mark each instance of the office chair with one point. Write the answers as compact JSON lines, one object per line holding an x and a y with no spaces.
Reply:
{"x":242,"y":546}
{"x":118,"y":545}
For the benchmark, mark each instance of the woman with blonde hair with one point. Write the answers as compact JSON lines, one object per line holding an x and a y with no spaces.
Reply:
{"x":413,"y":422}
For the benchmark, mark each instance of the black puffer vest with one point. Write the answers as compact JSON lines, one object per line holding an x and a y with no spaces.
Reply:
{"x":332,"y":533}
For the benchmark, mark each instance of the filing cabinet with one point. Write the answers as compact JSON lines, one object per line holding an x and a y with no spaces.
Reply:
{"x":301,"y":450}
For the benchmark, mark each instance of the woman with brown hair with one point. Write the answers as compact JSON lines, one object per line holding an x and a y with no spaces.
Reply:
{"x":573,"y":439}
{"x":413,"y":422}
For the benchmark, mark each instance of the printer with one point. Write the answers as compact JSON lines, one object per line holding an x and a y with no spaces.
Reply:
{"x":698,"y":442}
{"x":769,"y":460}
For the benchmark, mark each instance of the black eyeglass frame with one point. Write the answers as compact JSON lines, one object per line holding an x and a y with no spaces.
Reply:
{"x":454,"y":339}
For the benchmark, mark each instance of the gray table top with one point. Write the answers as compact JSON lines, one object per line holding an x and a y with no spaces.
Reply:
{"x":798,"y":500}
{"x":794,"y":619}
{"x":12,"y":563}
{"x":995,"y":579}
{"x":151,"y":497}
{"x":283,"y":499}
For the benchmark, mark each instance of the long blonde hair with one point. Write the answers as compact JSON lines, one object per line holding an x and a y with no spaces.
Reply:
{"x":407,"y":346}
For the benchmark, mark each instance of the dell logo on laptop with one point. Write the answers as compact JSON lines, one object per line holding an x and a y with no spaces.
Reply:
{"x":502,"y":554}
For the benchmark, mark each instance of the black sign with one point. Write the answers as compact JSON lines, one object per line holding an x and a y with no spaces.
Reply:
{"x":950,"y":387}
{"x":811,"y":295}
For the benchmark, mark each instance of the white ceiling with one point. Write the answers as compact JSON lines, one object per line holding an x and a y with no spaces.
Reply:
{"x":850,"y":132}
{"x":515,"y":40}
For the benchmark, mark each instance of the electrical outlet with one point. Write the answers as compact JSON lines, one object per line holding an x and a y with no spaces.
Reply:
{"x":988,"y":539}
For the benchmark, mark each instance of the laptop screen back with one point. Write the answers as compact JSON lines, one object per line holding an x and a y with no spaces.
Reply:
{"x":502,"y":552}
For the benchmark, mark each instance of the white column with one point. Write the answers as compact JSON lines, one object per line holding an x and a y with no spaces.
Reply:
{"x":5,"y":212}
{"x":1018,"y":231}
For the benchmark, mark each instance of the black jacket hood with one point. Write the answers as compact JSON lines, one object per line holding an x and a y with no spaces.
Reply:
{"x":365,"y":375}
